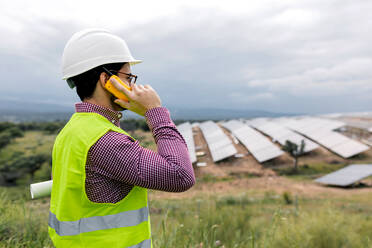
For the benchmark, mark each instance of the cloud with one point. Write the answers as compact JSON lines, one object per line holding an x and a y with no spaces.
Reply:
{"x":287,"y":56}
{"x":353,"y":76}
{"x":239,"y":97}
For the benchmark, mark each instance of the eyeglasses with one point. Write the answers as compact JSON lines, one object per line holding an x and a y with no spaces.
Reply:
{"x":131,"y":77}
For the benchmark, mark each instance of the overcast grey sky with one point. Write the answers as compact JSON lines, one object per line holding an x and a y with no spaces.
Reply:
{"x":283,"y":56}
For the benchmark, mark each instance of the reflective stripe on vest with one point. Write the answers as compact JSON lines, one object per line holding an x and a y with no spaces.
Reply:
{"x":95,"y":223}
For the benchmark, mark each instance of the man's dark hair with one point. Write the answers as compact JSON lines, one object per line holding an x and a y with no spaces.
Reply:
{"x":86,"y":82}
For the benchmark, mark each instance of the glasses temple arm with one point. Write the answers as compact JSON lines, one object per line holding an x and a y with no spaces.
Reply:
{"x":107,"y":71}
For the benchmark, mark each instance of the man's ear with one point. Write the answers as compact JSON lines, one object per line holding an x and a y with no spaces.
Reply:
{"x":103,"y":77}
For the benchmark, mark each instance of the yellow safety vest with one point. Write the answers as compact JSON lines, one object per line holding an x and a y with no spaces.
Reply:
{"x":74,"y":220}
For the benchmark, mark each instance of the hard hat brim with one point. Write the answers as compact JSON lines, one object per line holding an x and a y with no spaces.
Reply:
{"x":69,"y":75}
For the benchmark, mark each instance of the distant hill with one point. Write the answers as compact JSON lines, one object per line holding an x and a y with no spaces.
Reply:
{"x":19,"y":111}
{"x":220,"y":114}
{"x":29,"y":106}
{"x":28,"y":111}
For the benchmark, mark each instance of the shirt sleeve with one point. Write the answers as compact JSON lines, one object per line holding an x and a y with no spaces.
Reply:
{"x":117,"y":156}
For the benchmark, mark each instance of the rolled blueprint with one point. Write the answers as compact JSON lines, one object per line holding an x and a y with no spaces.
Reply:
{"x":39,"y":190}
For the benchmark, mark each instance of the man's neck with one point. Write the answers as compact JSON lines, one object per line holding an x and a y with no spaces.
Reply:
{"x":104,"y":104}
{"x":102,"y":98}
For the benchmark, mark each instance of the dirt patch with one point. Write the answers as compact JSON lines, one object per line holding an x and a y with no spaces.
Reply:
{"x":275,"y":184}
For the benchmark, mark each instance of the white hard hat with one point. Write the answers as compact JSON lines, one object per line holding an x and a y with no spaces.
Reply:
{"x":90,"y":48}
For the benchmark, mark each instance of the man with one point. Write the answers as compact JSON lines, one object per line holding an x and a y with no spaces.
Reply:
{"x":100,"y":173}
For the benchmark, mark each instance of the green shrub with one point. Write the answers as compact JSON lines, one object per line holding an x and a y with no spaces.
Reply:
{"x":6,"y":125}
{"x":20,"y":165}
{"x":287,"y":197}
{"x":5,"y":139}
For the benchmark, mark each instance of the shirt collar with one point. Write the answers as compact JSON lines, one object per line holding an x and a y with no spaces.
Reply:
{"x":111,"y":115}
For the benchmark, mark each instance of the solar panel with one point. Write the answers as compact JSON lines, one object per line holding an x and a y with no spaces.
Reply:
{"x":186,"y":131}
{"x":219,"y":144}
{"x":195,"y":124}
{"x":356,"y":123}
{"x":281,"y":134}
{"x":223,"y":152}
{"x":257,"y":121}
{"x":331,"y":139}
{"x":266,"y":154}
{"x":349,"y":148}
{"x":321,"y":131}
{"x":310,"y":123}
{"x":257,"y":144}
{"x":347,"y":175}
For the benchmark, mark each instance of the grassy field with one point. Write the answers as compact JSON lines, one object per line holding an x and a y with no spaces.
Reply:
{"x":287,"y":210}
{"x":247,"y":219}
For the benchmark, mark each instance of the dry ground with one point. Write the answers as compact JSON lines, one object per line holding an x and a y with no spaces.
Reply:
{"x":261,"y":185}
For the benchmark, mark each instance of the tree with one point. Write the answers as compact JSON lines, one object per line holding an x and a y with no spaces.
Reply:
{"x":30,"y":164}
{"x":295,"y":150}
{"x":9,"y":172}
{"x":52,"y":127}
{"x":133,"y":124}
{"x":19,"y":165}
{"x":15,"y":132}
{"x":8,"y":132}
{"x":35,"y":163}
{"x":6,"y":125}
{"x":27,"y":126}
{"x":143,"y":125}
{"x":5,"y":139}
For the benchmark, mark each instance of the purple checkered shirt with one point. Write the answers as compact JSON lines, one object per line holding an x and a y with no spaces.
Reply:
{"x":116,"y":163}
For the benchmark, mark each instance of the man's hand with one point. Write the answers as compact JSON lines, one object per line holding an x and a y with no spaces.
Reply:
{"x":141,"y":98}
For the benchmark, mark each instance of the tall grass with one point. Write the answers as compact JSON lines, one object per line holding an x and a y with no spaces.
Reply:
{"x":323,"y":228}
{"x":268,"y":220}
{"x":22,"y":224}
{"x":241,"y":221}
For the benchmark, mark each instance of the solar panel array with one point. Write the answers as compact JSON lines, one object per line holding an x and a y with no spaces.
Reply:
{"x":218,"y":142}
{"x":281,"y":134}
{"x":256,"y":143}
{"x":186,"y":131}
{"x":310,"y":124}
{"x":347,"y":176}
{"x":361,"y":124}
{"x":321,"y":131}
{"x":356,"y":114}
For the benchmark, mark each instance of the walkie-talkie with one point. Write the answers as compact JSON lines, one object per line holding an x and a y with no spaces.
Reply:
{"x":110,"y":87}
